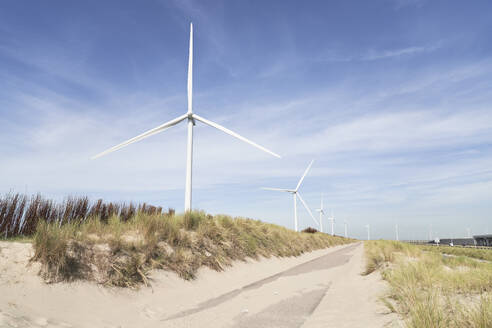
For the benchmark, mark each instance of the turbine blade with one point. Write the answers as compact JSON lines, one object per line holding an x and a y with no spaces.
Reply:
{"x":307,"y":208}
{"x":190,"y":72}
{"x":278,"y":189}
{"x":144,"y":135}
{"x":234,"y":134}
{"x":304,"y":175}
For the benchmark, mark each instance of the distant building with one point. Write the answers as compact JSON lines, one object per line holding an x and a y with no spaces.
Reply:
{"x":483,"y":240}
{"x":455,"y":241}
{"x":477,"y":240}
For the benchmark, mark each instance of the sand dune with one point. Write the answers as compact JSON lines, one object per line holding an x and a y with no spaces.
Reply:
{"x":319,"y":289}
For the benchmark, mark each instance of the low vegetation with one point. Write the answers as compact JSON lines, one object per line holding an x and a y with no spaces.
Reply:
{"x":20,"y":214}
{"x":476,"y":253}
{"x":429,"y":289}
{"x":122,"y":253}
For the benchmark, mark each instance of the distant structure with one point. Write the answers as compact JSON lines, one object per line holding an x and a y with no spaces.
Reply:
{"x":321,"y":211}
{"x":191,"y":118}
{"x":295,"y":193}
{"x":483,"y":240}
{"x":454,"y":241}
{"x":476,"y":240}
{"x":332,"y":219}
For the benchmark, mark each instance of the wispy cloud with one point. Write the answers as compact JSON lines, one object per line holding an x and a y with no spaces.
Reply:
{"x":397,"y":132}
{"x":372,"y":54}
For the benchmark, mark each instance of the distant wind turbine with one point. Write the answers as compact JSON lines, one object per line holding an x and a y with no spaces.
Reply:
{"x":332,"y":219}
{"x":295,"y":193}
{"x":191,"y":119}
{"x":345,"y":224}
{"x":368,"y":232}
{"x":396,"y":230}
{"x":321,"y":213}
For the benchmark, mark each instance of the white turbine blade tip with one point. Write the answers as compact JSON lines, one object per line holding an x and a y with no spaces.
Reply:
{"x":234,"y":134}
{"x":276,"y":189}
{"x":307,"y":208}
{"x":190,"y":72}
{"x":144,"y":135}
{"x":304,"y":175}
{"x":97,"y":156}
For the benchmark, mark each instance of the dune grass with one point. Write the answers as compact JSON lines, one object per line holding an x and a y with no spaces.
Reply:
{"x":20,"y":214}
{"x":432,"y":290}
{"x":476,"y":253}
{"x":123,"y":253}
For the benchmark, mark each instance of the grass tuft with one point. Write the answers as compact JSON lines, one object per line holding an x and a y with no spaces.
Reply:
{"x":122,"y":252}
{"x":432,"y":289}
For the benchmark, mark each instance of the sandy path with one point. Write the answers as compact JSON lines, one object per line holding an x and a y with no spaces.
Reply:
{"x":353,"y":300}
{"x":319,"y":289}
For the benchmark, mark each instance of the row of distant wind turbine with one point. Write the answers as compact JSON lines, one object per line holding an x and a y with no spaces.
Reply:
{"x":331,"y":218}
{"x":191,"y":119}
{"x":295,"y":193}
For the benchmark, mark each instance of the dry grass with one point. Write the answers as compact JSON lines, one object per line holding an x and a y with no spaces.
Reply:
{"x":432,"y":290}
{"x":123,"y":253}
{"x":477,"y":253}
{"x":379,"y":253}
{"x":20,"y":214}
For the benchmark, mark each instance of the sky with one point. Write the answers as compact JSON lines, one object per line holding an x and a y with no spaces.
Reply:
{"x":391,"y":98}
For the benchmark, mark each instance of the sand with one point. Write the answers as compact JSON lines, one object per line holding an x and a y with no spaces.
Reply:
{"x":323,"y":288}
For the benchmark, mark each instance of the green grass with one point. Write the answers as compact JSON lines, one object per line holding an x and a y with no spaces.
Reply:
{"x":432,"y":290}
{"x":123,"y":253}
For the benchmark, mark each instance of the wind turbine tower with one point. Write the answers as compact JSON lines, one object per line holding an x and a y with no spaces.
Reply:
{"x":332,"y":219}
{"x":190,"y":117}
{"x":345,"y":224}
{"x":321,"y":213}
{"x":295,"y":193}
{"x":396,"y":230}
{"x":368,"y":232}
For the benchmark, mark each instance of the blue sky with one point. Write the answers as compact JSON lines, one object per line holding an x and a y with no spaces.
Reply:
{"x":391,"y":98}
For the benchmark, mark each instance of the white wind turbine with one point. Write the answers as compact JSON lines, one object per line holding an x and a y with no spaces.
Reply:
{"x":332,"y":219}
{"x":321,"y":213}
{"x":191,"y":119}
{"x":368,"y":232}
{"x":295,"y":193}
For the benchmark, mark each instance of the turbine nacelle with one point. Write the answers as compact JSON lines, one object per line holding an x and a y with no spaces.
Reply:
{"x":191,"y":117}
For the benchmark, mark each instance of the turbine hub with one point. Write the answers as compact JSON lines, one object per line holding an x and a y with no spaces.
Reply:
{"x":190,"y":117}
